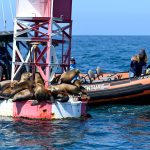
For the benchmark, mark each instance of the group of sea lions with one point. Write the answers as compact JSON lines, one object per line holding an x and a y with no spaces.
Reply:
{"x":27,"y":88}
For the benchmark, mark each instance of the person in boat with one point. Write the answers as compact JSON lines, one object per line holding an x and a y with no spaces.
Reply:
{"x":133,"y":72}
{"x":72,"y":63}
{"x":73,"y":66}
{"x":138,"y":64}
{"x":5,"y":59}
{"x":142,"y":61}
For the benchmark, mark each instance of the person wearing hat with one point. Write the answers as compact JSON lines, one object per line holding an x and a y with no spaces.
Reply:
{"x":73,"y":66}
{"x":72,"y":63}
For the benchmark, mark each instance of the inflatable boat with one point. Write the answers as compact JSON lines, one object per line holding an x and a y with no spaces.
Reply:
{"x":117,"y":88}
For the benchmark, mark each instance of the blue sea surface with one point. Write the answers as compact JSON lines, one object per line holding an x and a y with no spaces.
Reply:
{"x":111,"y":53}
{"x":118,"y":127}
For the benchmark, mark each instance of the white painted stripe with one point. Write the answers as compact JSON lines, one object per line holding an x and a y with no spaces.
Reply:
{"x":66,"y":110}
{"x":6,"y":108}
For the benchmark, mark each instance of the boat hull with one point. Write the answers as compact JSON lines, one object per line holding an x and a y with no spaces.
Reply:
{"x":134,"y":91}
{"x":44,"y":110}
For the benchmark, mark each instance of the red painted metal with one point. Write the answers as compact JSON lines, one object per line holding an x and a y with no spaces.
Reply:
{"x":63,"y":9}
{"x":24,"y":109}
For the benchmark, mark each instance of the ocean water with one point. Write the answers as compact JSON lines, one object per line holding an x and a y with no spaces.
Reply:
{"x":111,"y":53}
{"x":118,"y":127}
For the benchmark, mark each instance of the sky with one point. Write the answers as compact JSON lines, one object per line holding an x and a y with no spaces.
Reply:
{"x":101,"y":17}
{"x":111,"y":17}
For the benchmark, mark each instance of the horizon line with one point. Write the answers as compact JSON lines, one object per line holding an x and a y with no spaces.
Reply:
{"x":109,"y":35}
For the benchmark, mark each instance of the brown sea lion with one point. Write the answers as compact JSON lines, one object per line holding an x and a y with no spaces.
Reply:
{"x":41,"y":93}
{"x":17,"y":86}
{"x":25,"y":76}
{"x":30,"y":89}
{"x":62,"y":97}
{"x":59,"y":95}
{"x":83,"y":91}
{"x":23,"y":95}
{"x":38,"y":78}
{"x":35,"y":89}
{"x":78,"y":83}
{"x":67,"y":77}
{"x":56,"y":79}
{"x":66,"y":88}
{"x":4,"y":83}
{"x":6,"y":90}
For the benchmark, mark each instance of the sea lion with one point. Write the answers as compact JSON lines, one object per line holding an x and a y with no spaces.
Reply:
{"x":56,"y":79}
{"x":78,"y":83}
{"x":6,"y":89}
{"x":62,"y":97}
{"x":30,"y":89}
{"x":23,"y":95}
{"x":66,"y":88}
{"x":38,"y":78}
{"x":17,"y":86}
{"x":25,"y":76}
{"x":67,"y":77}
{"x":35,"y":89}
{"x":59,"y":95}
{"x":4,"y":83}
{"x":83,"y":91}
{"x":41,"y":93}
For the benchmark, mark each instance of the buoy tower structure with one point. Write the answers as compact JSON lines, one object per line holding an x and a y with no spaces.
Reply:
{"x":41,"y":27}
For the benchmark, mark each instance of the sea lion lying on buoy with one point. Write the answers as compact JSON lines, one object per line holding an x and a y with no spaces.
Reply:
{"x":25,"y":76}
{"x":78,"y":83}
{"x":66,"y":88}
{"x":23,"y":95}
{"x":4,"y":83}
{"x":32,"y":90}
{"x":38,"y":78}
{"x":67,"y":77}
{"x":41,"y":93}
{"x":7,"y":85}
{"x":7,"y":90}
{"x":22,"y":84}
{"x":29,"y":89}
{"x":56,"y":79}
{"x":62,"y":97}
{"x":83,"y":93}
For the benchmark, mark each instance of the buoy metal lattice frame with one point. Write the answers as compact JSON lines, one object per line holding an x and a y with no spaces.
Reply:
{"x":35,"y":26}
